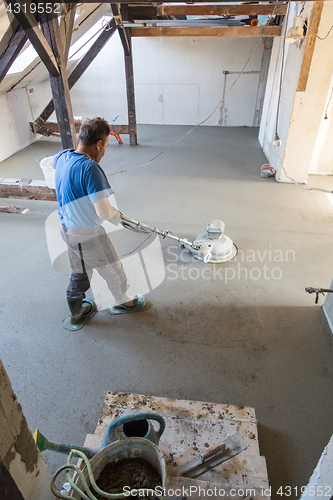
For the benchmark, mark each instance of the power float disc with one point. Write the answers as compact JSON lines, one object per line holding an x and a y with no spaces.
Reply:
{"x":221,"y":249}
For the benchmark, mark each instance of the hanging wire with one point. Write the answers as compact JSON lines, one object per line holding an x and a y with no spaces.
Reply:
{"x":326,"y":111}
{"x":326,"y":35}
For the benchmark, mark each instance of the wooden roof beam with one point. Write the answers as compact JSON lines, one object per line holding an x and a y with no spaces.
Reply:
{"x":29,"y":25}
{"x":310,"y":45}
{"x":209,"y":31}
{"x":10,"y":46}
{"x":66,"y":27}
{"x":139,"y":12}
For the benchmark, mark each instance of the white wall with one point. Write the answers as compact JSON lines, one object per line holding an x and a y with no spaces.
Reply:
{"x":9,"y":141}
{"x":21,"y":112}
{"x":322,"y":156}
{"x":291,"y":56}
{"x":177,"y":81}
{"x":306,"y":139}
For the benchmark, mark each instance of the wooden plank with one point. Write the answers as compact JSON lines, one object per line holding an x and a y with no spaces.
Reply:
{"x":36,"y":190}
{"x":81,"y":67}
{"x":48,"y":128}
{"x":192,"y":427}
{"x":59,"y":84}
{"x":11,"y":45}
{"x":208,"y":31}
{"x":221,"y":10}
{"x":36,"y":37}
{"x":310,"y":45}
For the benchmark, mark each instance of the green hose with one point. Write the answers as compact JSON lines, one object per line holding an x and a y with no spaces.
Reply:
{"x":90,"y":495}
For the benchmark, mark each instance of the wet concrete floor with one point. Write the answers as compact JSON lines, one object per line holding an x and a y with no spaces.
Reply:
{"x":242,"y":333}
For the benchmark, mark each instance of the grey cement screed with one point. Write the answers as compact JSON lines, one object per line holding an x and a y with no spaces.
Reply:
{"x":254,"y":341}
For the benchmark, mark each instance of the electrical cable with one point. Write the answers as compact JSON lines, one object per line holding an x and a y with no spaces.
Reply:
{"x":295,"y":182}
{"x":199,"y":124}
{"x":325,"y":117}
{"x":137,"y":248}
{"x":326,"y":35}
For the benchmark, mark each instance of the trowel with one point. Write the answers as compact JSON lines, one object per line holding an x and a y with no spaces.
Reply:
{"x":212,"y":457}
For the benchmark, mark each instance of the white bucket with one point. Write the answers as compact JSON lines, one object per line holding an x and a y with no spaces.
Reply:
{"x":48,"y":171}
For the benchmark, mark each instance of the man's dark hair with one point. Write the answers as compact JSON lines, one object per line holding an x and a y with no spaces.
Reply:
{"x":94,"y":130}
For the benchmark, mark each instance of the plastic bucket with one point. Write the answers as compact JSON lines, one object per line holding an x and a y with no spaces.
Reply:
{"x":134,"y":447}
{"x":48,"y":171}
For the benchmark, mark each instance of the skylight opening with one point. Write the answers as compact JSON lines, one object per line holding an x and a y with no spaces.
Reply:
{"x":77,"y":50}
{"x":23,"y":60}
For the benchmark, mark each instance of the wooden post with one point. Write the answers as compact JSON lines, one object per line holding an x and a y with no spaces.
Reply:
{"x":129,"y":80}
{"x":130,"y":98}
{"x":59,"y":84}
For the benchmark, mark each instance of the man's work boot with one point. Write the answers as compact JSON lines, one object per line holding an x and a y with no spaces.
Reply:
{"x":78,"y":310}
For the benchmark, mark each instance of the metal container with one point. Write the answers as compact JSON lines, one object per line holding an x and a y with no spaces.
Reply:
{"x":134,"y":447}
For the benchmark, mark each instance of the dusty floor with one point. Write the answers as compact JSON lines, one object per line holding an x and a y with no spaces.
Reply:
{"x":243,"y":333}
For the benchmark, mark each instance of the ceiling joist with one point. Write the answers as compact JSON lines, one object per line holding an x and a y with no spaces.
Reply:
{"x":210,"y":31}
{"x":139,"y":12}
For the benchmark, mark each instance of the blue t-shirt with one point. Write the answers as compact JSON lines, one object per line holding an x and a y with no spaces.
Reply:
{"x":79,"y":182}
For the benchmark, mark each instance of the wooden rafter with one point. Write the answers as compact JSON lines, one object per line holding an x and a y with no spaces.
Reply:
{"x":66,"y":27}
{"x":10,"y":46}
{"x":208,"y":31}
{"x":80,"y":68}
{"x":29,"y":25}
{"x":309,"y":46}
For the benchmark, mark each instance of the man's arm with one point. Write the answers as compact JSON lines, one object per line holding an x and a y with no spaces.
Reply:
{"x":105,"y":211}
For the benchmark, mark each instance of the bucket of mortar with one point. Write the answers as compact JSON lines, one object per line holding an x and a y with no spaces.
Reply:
{"x":134,"y":425}
{"x":133,"y":447}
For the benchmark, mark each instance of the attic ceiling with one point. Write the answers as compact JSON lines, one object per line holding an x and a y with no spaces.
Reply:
{"x":53,"y":32}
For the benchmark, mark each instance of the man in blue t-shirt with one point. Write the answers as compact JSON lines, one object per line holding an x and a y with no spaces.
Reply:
{"x":82,"y":192}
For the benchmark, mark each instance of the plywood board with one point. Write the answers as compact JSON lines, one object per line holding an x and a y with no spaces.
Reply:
{"x":191,"y":428}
